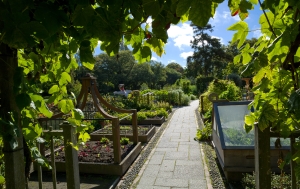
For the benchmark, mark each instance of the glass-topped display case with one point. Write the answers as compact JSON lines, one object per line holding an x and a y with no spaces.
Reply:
{"x":234,"y":147}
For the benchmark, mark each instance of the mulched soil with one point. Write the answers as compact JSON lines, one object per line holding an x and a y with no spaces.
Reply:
{"x":94,"y":151}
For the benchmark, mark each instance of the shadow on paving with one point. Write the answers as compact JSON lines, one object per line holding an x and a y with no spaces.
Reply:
{"x":91,"y":181}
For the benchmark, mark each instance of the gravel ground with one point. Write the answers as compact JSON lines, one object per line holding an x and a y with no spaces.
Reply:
{"x":216,"y":175}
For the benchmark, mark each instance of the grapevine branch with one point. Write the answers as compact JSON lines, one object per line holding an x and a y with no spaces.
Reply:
{"x":267,"y":19}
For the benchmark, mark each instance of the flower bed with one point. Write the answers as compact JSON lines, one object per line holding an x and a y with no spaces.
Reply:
{"x":148,"y":121}
{"x":145,"y":133}
{"x":97,"y":158}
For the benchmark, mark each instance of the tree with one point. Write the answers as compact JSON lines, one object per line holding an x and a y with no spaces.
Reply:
{"x":209,"y":55}
{"x":112,"y":71}
{"x":159,"y":75}
{"x":176,"y":67}
{"x":172,"y":76}
{"x":141,"y":73}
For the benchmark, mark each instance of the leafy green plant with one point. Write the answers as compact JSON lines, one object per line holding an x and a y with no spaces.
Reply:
{"x":124,"y":140}
{"x":104,"y":140}
{"x":207,"y":114}
{"x":205,"y":133}
{"x":277,"y":181}
{"x":236,"y":137}
{"x":141,"y":116}
{"x":164,"y":105}
{"x":89,"y":126}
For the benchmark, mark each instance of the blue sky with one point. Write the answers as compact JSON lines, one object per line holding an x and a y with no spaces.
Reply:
{"x":178,"y":47}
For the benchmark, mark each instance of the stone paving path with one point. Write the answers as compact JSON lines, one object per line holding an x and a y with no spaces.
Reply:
{"x":176,"y":162}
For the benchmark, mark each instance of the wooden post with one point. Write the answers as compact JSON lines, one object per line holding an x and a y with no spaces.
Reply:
{"x":262,"y":158}
{"x":14,"y":165}
{"x":72,"y":168}
{"x":53,"y":160}
{"x":293,"y":164}
{"x":116,"y":140}
{"x":134,"y":128}
{"x":39,"y":167}
{"x":13,"y":156}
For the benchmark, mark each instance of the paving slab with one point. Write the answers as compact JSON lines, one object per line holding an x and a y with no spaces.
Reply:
{"x":176,"y":161}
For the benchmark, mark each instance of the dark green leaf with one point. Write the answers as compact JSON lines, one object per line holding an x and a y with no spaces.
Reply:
{"x":183,"y":6}
{"x":36,"y":29}
{"x":23,"y":100}
{"x":151,"y":7}
{"x":293,"y":103}
{"x":200,"y":12}
{"x":78,"y":114}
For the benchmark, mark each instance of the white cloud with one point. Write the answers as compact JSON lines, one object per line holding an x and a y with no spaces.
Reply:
{"x":184,"y":55}
{"x":153,"y":58}
{"x":169,"y":61}
{"x":181,"y":35}
{"x":221,"y":39}
{"x":149,"y":21}
{"x":256,"y":31}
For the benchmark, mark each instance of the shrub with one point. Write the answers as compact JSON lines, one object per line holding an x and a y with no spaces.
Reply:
{"x":193,"y":97}
{"x":202,"y":83}
{"x":232,"y":93}
{"x":185,"y":100}
{"x":228,"y":88}
{"x":141,"y":116}
{"x":164,"y":105}
{"x":236,"y":79}
{"x":161,"y":112}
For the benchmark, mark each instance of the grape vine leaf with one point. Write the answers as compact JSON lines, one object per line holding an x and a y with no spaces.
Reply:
{"x":200,"y":12}
{"x":183,"y":6}
{"x":293,"y":103}
{"x":242,"y":31}
{"x":267,"y":114}
{"x":65,"y":78}
{"x":66,"y":106}
{"x":23,"y":100}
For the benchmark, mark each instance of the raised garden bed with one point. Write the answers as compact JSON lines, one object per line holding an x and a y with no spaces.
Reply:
{"x":97,"y":158}
{"x":148,"y":121}
{"x":145,"y":133}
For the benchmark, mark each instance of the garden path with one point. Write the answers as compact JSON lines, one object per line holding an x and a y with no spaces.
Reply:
{"x":176,"y":161}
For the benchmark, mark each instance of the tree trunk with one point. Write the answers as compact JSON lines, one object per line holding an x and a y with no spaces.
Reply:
{"x":13,"y":157}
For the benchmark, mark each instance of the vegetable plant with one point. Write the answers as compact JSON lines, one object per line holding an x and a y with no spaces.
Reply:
{"x":104,"y":140}
{"x":124,"y":140}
